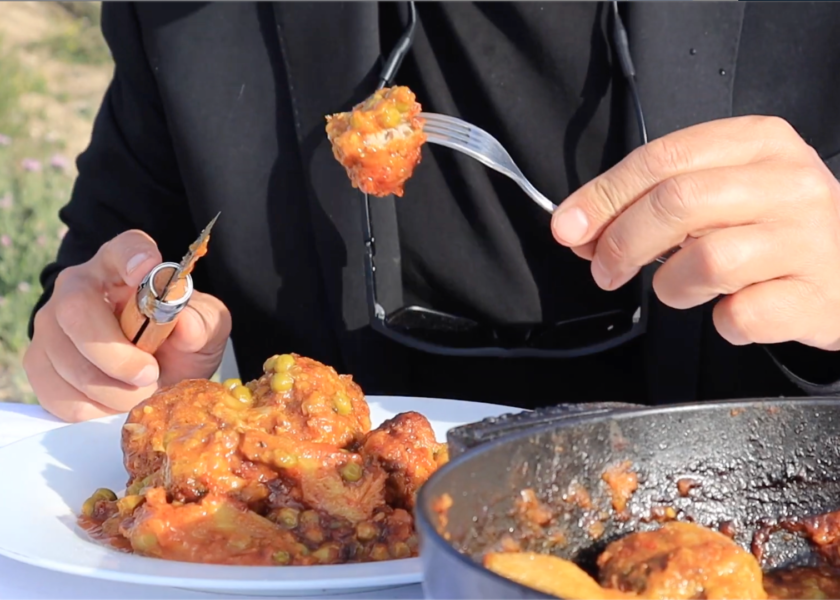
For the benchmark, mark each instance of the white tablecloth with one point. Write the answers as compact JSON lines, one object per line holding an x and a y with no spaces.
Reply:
{"x":20,"y":581}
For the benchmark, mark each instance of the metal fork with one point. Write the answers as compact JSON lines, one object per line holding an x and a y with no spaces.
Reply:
{"x":483,"y":147}
{"x":473,"y":141}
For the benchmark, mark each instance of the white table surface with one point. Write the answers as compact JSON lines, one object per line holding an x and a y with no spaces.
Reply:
{"x":19,"y":581}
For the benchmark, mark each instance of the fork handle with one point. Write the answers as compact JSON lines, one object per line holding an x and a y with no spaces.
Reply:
{"x":536,"y":196}
{"x":517,"y":175}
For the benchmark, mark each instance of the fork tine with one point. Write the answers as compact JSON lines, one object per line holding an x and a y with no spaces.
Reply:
{"x":460,"y":146}
{"x":449,"y":126}
{"x":483,"y":147}
{"x":445,"y":120}
{"x":461,"y":135}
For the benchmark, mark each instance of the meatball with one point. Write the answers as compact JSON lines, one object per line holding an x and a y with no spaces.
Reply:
{"x":406,"y":449}
{"x":318,"y":476}
{"x":281,"y":470}
{"x":188,"y":437}
{"x":215,"y":530}
{"x":184,"y":438}
{"x":310,"y":401}
{"x":379,"y":142}
{"x":673,"y":562}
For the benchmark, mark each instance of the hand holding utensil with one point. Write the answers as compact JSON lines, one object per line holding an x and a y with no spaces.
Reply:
{"x":151,"y":314}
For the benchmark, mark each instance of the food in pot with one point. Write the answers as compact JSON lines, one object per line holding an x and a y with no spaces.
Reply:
{"x":677,"y":561}
{"x":804,"y":583}
{"x":283,"y":470}
{"x":379,"y":141}
{"x":550,"y":575}
{"x":674,"y":562}
{"x":622,"y":482}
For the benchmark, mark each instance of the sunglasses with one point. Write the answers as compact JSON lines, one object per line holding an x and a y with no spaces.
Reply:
{"x":442,"y":333}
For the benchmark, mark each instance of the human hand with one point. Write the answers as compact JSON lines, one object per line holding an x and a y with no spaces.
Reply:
{"x":80,"y":364}
{"x":757,"y":214}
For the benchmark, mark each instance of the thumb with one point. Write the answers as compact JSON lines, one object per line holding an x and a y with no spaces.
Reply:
{"x":125,"y":259}
{"x":195,"y":347}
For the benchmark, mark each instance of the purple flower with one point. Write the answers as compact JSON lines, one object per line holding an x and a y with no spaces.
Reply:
{"x":6,"y":200}
{"x":5,"y":140}
{"x":5,"y":241}
{"x":23,"y":287}
{"x":59,"y":162}
{"x":30,"y":164}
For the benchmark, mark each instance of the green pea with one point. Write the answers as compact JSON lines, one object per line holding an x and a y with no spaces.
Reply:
{"x":284,"y":363}
{"x":284,"y":459}
{"x":242,"y":393}
{"x":343,"y":405}
{"x":229,"y":384}
{"x":104,"y":494}
{"x":88,"y":507}
{"x":268,"y":365}
{"x":389,"y":117}
{"x":281,"y":382}
{"x":351,"y":471}
{"x":288,"y":517}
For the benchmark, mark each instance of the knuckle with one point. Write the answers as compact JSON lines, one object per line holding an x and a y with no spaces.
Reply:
{"x":665,"y":156}
{"x":715,"y":263}
{"x":609,"y":203}
{"x":739,"y":315}
{"x":65,"y":276}
{"x":612,"y":247}
{"x":70,"y":311}
{"x":136,"y":240}
{"x":77,"y":412}
{"x":121,"y":365}
{"x":813,"y":181}
{"x":86,"y":375}
{"x":672,"y":200}
{"x":776,"y":126}
{"x":111,"y":248}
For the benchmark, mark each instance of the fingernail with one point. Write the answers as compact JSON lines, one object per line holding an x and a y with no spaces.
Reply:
{"x":135,"y":261}
{"x":600,"y":274}
{"x":570,"y":225}
{"x":147,"y":376}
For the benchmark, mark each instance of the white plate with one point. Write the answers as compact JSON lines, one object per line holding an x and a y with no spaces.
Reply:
{"x":47,"y":477}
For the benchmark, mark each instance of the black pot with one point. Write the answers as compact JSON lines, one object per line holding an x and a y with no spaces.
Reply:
{"x":751,"y":463}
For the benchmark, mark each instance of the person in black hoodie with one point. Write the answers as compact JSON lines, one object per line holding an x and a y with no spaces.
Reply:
{"x":479,"y":294}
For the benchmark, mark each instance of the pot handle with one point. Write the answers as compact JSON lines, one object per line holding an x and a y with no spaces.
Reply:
{"x":463,"y":438}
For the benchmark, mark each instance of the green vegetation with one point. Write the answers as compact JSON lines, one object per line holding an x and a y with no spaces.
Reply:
{"x":36,"y":177}
{"x":77,"y":40}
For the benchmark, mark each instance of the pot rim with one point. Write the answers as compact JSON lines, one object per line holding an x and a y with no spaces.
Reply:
{"x":423,"y":510}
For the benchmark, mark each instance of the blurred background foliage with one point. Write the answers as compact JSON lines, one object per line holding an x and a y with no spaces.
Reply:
{"x":54,"y":69}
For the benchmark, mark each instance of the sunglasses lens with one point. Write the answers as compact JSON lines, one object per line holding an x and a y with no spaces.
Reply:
{"x":580,"y":333}
{"x":450,"y":331}
{"x":440,"y":328}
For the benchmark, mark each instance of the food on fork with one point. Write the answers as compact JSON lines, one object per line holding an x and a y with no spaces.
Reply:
{"x":379,"y":141}
{"x":283,"y":470}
